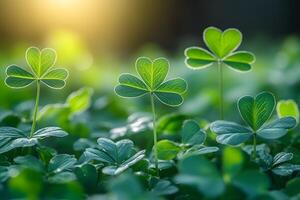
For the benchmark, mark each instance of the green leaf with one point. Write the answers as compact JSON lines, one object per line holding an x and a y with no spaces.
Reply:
{"x":40,"y":60}
{"x":201,"y":173}
{"x":197,"y":150}
{"x":230,"y":133}
{"x":18,"y":77}
{"x":285,"y":169}
{"x":97,"y":154}
{"x":80,"y":100}
{"x":125,"y":148}
{"x":152,"y":72}
{"x":288,"y":108}
{"x":192,"y":134}
{"x":115,"y":170}
{"x":127,"y":91}
{"x":4,"y":173}
{"x":252,"y":182}
{"x":240,"y":60}
{"x":164,"y":187}
{"x":292,"y":187}
{"x":109,"y":147}
{"x":282,"y":157}
{"x":222,"y":43}
{"x":167,"y":150}
{"x":49,"y":132}
{"x":61,"y":162}
{"x":177,"y":85}
{"x":256,"y":111}
{"x":198,"y":58}
{"x":63,"y":177}
{"x":29,"y":161}
{"x":168,"y":98}
{"x":55,"y":78}
{"x":277,"y":128}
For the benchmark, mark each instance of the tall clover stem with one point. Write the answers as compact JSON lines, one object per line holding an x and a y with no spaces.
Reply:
{"x":36,"y":106}
{"x":254,"y":147}
{"x":221,"y":90}
{"x":154,"y":134}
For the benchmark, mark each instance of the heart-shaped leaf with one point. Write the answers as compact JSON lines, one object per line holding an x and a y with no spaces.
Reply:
{"x":255,"y":111}
{"x":277,"y":128}
{"x":153,"y":74}
{"x":167,"y":150}
{"x":288,"y":108}
{"x":240,"y":60}
{"x":230,"y":133}
{"x":198,"y":58}
{"x":222,"y":43}
{"x":192,"y":133}
{"x":41,"y":63}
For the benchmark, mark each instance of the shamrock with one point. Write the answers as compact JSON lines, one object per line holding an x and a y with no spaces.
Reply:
{"x":153,"y":74}
{"x":255,"y":111}
{"x":152,"y":81}
{"x":41,"y":64}
{"x":222,"y":46}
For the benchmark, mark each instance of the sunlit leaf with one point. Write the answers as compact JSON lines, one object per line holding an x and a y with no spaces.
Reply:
{"x":240,"y":60}
{"x":198,"y":58}
{"x":288,"y":108}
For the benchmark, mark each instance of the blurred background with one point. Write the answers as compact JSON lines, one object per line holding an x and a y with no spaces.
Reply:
{"x":98,"y":40}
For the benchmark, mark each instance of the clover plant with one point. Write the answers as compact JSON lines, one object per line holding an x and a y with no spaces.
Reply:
{"x":41,"y":70}
{"x":279,"y":164}
{"x":152,"y":82}
{"x":192,"y":143}
{"x":287,"y":108}
{"x":255,"y":111}
{"x":222,"y":51}
{"x":114,"y":157}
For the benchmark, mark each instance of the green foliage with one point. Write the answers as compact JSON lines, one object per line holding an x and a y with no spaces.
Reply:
{"x":153,"y":74}
{"x":12,"y":138}
{"x":116,"y":157}
{"x":288,"y":108}
{"x":222,"y":46}
{"x":192,"y":143}
{"x":255,"y":112}
{"x":41,"y":63}
{"x":202,"y":174}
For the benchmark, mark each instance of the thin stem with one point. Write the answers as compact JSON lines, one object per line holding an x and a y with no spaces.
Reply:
{"x":221,"y":100}
{"x":36,"y":106}
{"x":254,"y":147}
{"x":154,"y":134}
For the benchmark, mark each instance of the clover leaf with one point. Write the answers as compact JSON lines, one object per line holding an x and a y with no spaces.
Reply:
{"x":287,"y":108}
{"x":116,"y":157}
{"x":222,"y":46}
{"x":153,"y":74}
{"x":11,"y":138}
{"x":41,"y":64}
{"x":255,"y":111}
{"x":152,"y":81}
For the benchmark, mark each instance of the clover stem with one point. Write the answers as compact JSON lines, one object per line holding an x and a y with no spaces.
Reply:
{"x":221,"y":100}
{"x":254,"y":147}
{"x":36,"y":106}
{"x":154,"y":134}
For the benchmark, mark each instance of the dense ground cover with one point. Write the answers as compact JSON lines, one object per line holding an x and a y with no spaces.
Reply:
{"x":211,"y":134}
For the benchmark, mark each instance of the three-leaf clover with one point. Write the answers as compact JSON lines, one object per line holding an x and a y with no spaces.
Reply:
{"x":255,"y":111}
{"x":41,"y":64}
{"x":152,"y":81}
{"x":115,"y":156}
{"x":222,"y":46}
